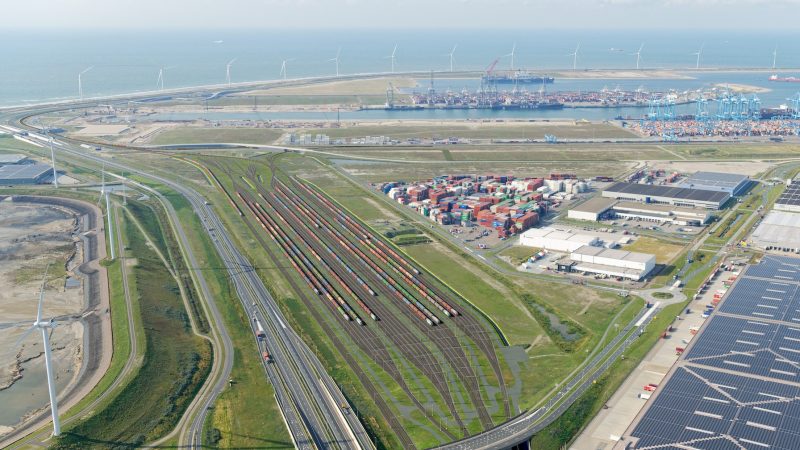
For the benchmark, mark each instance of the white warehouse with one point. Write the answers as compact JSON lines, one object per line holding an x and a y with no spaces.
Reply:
{"x":616,"y":263}
{"x":556,"y":240}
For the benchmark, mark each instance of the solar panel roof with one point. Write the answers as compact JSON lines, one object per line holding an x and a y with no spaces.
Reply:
{"x":669,"y":191}
{"x":790,"y":196}
{"x":708,"y":409}
{"x":738,"y":384}
{"x":714,"y":181}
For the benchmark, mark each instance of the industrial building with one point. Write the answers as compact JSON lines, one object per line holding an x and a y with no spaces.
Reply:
{"x":780,"y":230}
{"x":13,"y":174}
{"x":668,"y":195}
{"x":556,"y":240}
{"x":592,"y":210}
{"x":790,"y":198}
{"x":600,"y":208}
{"x":733,"y":184}
{"x":661,"y":213}
{"x":14,"y":158}
{"x":606,"y":261}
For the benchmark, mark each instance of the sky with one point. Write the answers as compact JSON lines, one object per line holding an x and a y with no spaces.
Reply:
{"x":351,"y":14}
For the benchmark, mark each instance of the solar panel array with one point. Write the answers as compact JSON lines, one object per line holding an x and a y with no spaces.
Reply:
{"x":791,"y":196}
{"x":669,"y":191}
{"x":738,"y":384}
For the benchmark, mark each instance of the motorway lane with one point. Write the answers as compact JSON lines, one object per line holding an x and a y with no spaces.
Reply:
{"x":315,"y":411}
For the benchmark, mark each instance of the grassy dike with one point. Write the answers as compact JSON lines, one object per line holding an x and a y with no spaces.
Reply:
{"x":175,"y":361}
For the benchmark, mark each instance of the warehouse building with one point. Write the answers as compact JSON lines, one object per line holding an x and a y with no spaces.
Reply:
{"x":600,"y":208}
{"x":661,"y":213}
{"x":556,"y":240}
{"x":615,"y":263}
{"x":592,"y":210}
{"x":780,"y":230}
{"x":14,"y":158}
{"x":13,"y":174}
{"x":789,"y":199}
{"x":732,"y":183}
{"x":668,"y":195}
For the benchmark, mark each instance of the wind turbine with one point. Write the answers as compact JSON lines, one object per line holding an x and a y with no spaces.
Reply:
{"x":336,"y":60}
{"x":391,"y":56}
{"x":161,"y":74}
{"x":513,"y":52}
{"x":228,"y":71}
{"x":104,"y":193}
{"x":283,"y":67}
{"x":575,"y":57}
{"x":451,"y":55}
{"x":46,"y":327}
{"x":638,"y":55}
{"x":698,"y":53}
{"x":80,"y":84}
{"x":52,"y":152}
{"x":774,"y":57}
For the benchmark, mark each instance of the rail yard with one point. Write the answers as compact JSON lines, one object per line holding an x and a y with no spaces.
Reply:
{"x":363,"y":291}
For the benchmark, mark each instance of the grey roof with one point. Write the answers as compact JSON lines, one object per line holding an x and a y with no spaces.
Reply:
{"x":595,"y":205}
{"x":716,"y":179}
{"x":680,"y":193}
{"x":25,"y":171}
{"x":12,"y":158}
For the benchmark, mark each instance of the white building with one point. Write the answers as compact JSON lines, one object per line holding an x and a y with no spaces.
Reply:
{"x":615,"y":263}
{"x":556,"y":240}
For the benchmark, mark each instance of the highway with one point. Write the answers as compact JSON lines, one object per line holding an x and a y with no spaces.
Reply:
{"x":310,"y":400}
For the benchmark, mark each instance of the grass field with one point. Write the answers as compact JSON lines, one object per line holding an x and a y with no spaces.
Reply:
{"x":518,"y":254}
{"x":664,"y":251}
{"x":175,"y":365}
{"x":481,"y":130}
{"x":195,"y":135}
{"x":379,"y":171}
{"x":576,"y":417}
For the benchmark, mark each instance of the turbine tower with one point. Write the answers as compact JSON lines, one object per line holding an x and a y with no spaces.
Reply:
{"x":391,"y":57}
{"x":104,"y":193}
{"x":452,"y":56}
{"x":336,"y":60}
{"x":575,"y":56}
{"x":774,"y":57}
{"x":52,"y":152}
{"x":228,"y":71}
{"x":638,"y":55}
{"x":513,"y":52}
{"x":283,"y":67}
{"x":160,"y":80}
{"x":46,"y":327}
{"x":699,"y":54}
{"x":80,"y":83}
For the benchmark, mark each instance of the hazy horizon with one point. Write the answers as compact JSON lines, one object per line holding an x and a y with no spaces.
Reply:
{"x":414,"y":14}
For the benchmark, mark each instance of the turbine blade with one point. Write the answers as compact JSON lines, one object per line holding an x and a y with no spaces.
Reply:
{"x":41,"y":295}
{"x":23,"y":337}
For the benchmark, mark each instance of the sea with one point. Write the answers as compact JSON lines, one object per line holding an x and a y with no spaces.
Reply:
{"x":43,"y":66}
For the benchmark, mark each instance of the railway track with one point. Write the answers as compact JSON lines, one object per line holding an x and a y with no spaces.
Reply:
{"x":363,"y":283}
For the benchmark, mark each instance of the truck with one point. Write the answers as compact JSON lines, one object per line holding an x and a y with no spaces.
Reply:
{"x":644,"y":396}
{"x":260,"y":334}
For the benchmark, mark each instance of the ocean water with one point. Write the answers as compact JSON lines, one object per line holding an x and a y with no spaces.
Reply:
{"x":44,"y":66}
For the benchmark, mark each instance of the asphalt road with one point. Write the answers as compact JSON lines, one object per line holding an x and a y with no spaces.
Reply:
{"x":302,"y":387}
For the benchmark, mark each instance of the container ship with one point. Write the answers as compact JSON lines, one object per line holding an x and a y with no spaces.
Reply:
{"x":784,"y":79}
{"x":518,"y":77}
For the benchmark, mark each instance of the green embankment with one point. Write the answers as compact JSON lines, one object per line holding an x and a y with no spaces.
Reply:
{"x":175,"y":363}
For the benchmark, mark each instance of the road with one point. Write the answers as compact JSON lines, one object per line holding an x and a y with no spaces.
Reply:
{"x":300,"y":381}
